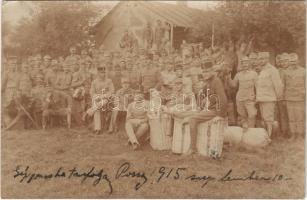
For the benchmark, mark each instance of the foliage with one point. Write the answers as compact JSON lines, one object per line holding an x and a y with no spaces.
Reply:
{"x":53,"y":27}
{"x":279,"y":25}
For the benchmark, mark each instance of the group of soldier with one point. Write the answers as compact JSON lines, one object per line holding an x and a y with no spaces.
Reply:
{"x":104,"y":86}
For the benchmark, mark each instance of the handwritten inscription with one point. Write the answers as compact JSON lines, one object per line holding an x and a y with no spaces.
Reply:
{"x":141,"y":177}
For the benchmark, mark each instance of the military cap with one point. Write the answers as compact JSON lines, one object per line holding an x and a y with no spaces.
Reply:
{"x":125,"y":80}
{"x":293,"y":57}
{"x":263,"y":55}
{"x":101,"y":69}
{"x":47,"y":57}
{"x":54,"y":62}
{"x":178,"y":67}
{"x":284,"y":56}
{"x":278,"y":57}
{"x":253,"y":55}
{"x":178,"y":80}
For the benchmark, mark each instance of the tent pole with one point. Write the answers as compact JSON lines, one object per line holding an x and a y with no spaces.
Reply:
{"x":172,"y":32}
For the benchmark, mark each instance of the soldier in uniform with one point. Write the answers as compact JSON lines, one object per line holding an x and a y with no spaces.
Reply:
{"x":253,"y":57}
{"x":37,"y":95}
{"x":73,"y":57}
{"x":149,"y":77}
{"x":245,"y":80}
{"x":10,"y":83}
{"x":78,"y":92}
{"x":102,"y":89}
{"x":123,"y":97}
{"x":136,"y":120}
{"x":283,"y":120}
{"x":64,"y":78}
{"x":295,"y":96}
{"x":214,"y":93}
{"x":269,"y":89}
{"x":131,"y":74}
{"x":46,"y":64}
{"x":148,"y":36}
{"x":56,"y":103}
{"x":51,"y":76}
{"x":187,"y":82}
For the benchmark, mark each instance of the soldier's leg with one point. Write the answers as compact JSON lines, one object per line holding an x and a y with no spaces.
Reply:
{"x":97,"y":120}
{"x":267,"y":112}
{"x":113,"y":120}
{"x":242,"y":111}
{"x":130,"y":125}
{"x":251,"y":113}
{"x":45,"y":117}
{"x":142,"y":129}
{"x":194,"y":121}
{"x":283,"y":117}
{"x":291,"y":117}
{"x":300,"y":118}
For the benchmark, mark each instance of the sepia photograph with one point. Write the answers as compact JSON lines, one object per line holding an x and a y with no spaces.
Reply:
{"x":153,"y":99}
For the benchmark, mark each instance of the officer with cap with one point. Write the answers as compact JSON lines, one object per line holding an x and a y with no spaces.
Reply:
{"x":295,"y":96}
{"x":101,"y":90}
{"x":245,"y":80}
{"x":215,"y":103}
{"x":269,"y":89}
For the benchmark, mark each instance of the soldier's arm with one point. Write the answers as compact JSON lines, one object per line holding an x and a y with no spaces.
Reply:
{"x":277,"y":83}
{"x":129,"y":115}
{"x":79,"y":82}
{"x":233,"y":82}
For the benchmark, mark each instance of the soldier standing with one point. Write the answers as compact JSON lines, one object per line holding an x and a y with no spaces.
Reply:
{"x":64,"y":78}
{"x":269,"y":89}
{"x":149,"y":77}
{"x":282,"y":107}
{"x":295,"y":96}
{"x":51,"y":76}
{"x":245,"y":99}
{"x":9,"y":87}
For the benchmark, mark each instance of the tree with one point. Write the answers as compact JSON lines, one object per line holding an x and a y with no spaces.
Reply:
{"x":54,"y":27}
{"x":275,"y":25}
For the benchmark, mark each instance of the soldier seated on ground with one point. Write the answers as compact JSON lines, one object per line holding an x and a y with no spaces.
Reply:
{"x":54,"y":106}
{"x":136,"y":120}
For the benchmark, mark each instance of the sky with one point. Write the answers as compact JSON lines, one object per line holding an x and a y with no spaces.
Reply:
{"x":13,"y":11}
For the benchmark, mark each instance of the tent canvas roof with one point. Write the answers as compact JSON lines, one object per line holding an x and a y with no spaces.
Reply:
{"x":134,"y":14}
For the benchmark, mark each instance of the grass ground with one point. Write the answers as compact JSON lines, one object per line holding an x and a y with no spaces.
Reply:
{"x":45,"y":151}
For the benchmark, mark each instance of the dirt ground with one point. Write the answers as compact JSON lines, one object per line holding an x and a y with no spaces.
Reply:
{"x":46,"y":151}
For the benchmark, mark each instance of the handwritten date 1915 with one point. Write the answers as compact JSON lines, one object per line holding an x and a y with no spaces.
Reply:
{"x":169,"y":173}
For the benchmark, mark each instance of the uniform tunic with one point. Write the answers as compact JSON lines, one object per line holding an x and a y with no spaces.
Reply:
{"x":295,"y":98}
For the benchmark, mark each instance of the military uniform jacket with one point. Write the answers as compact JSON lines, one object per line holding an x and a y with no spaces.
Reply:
{"x":269,"y":86}
{"x":102,"y":86}
{"x":294,"y":80}
{"x":247,"y":82}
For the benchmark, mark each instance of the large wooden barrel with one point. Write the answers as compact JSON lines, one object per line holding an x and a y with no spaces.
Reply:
{"x":160,"y":131}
